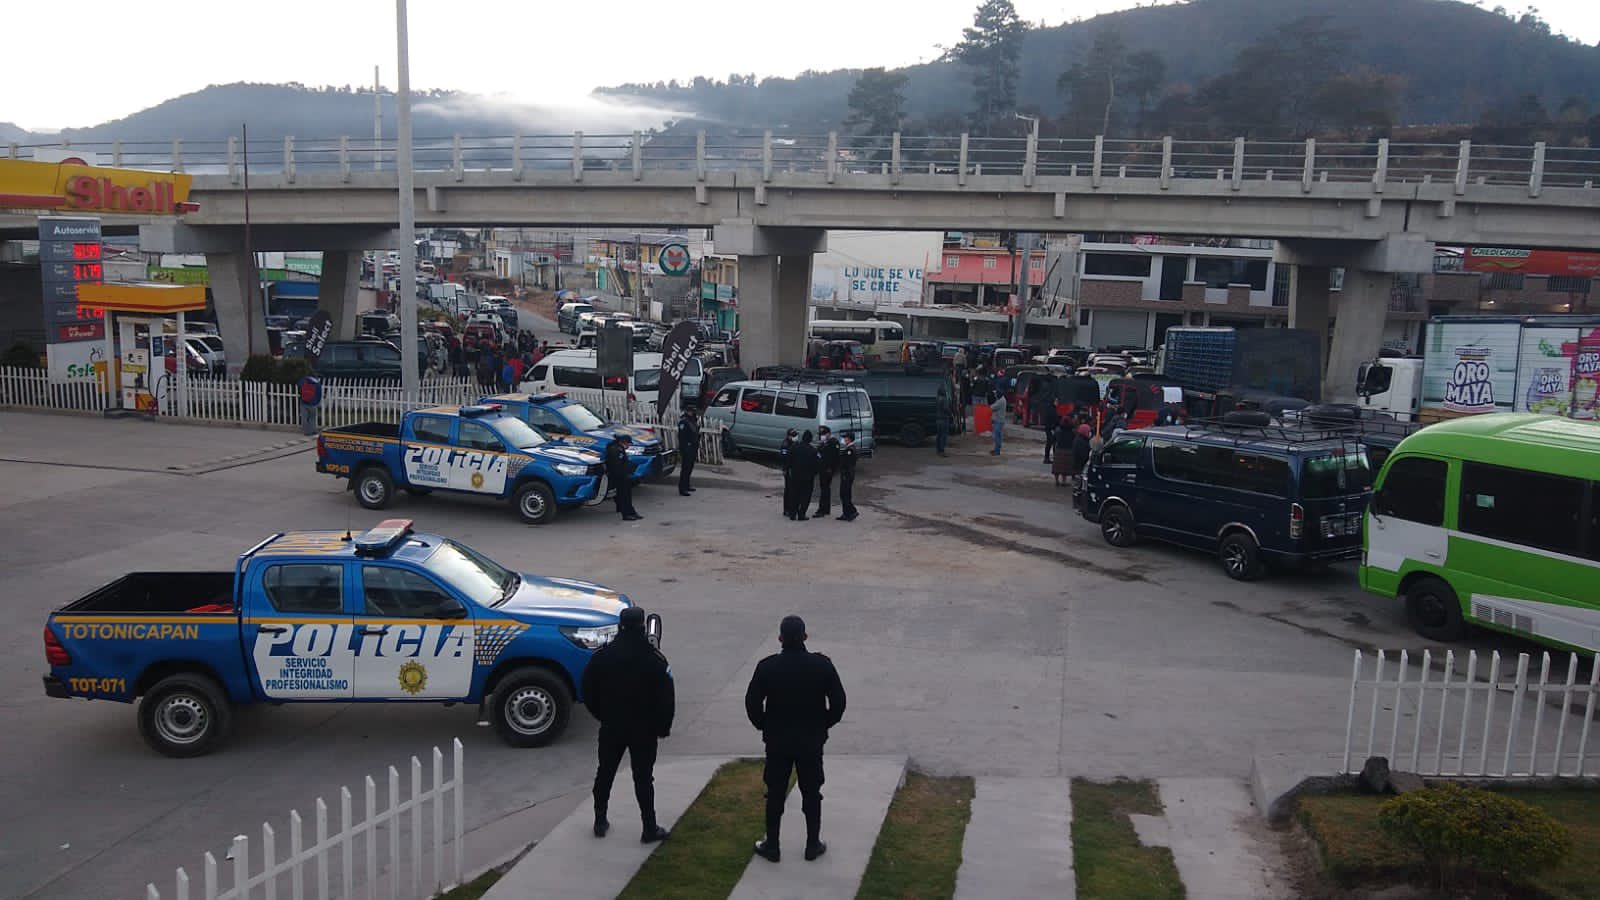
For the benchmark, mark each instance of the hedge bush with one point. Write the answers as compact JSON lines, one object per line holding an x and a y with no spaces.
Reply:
{"x":1463,"y":833}
{"x":259,"y":367}
{"x":21,"y":356}
{"x":291,"y":369}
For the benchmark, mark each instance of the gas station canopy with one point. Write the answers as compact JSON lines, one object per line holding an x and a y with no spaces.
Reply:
{"x":150,"y":299}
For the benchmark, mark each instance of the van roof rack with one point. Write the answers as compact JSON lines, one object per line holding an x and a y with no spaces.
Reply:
{"x":1302,"y":431}
{"x":792,"y":375}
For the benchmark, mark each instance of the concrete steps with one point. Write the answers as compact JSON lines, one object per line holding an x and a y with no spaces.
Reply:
{"x":855,"y":797}
{"x":1019,"y":841}
{"x":572,"y":864}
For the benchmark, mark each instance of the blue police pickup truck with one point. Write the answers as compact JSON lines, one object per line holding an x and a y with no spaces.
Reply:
{"x":391,"y":615}
{"x":468,"y":449}
{"x":572,"y":423}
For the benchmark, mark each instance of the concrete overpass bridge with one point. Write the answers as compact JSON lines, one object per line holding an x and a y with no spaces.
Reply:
{"x":1371,"y":208}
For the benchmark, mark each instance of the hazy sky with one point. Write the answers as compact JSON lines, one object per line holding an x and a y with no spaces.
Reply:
{"x":530,"y":50}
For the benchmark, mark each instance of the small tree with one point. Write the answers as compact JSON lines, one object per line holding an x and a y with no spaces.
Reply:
{"x":21,"y":356}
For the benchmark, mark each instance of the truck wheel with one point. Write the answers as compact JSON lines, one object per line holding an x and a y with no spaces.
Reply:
{"x":912,"y":434}
{"x":184,"y":715}
{"x":535,"y":503}
{"x":374,"y":488}
{"x":1240,"y":556}
{"x":1116,"y":526}
{"x":1434,"y":610}
{"x":530,"y":708}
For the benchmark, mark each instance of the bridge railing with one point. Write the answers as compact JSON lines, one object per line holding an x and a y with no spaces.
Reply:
{"x":764,"y":155}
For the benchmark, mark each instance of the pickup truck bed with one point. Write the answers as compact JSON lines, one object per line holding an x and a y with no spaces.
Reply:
{"x":159,"y":592}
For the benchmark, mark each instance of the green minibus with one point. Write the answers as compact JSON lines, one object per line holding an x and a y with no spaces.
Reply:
{"x":1491,"y":520}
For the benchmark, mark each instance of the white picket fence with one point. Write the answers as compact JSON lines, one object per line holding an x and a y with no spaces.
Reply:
{"x":344,"y":402}
{"x":1474,"y":722}
{"x":403,"y":881}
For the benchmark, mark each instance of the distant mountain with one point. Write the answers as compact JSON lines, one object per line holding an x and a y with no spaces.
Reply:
{"x":1456,"y":62}
{"x":271,"y":111}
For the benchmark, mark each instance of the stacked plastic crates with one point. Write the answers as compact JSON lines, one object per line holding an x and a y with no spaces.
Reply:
{"x":1201,"y":358}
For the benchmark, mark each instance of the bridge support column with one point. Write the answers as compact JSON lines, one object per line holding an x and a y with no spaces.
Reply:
{"x":1363,"y":306}
{"x":774,"y":289}
{"x":238,"y":303}
{"x":340,"y":290}
{"x":1358,"y":331}
{"x":1309,"y":305}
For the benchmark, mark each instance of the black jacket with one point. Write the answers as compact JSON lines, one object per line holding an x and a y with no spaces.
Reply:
{"x":828,"y":455}
{"x":628,"y":685}
{"x":847,"y":460}
{"x":1080,"y":452}
{"x":794,"y":698}
{"x":688,"y":436}
{"x":785,"y":452}
{"x":803,"y":461}
{"x":617,"y":461}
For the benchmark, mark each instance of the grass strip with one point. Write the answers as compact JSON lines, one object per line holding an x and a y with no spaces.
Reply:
{"x":1110,"y":862}
{"x":474,"y":889}
{"x":710,"y":844}
{"x":1354,"y":852}
{"x":919,"y":847}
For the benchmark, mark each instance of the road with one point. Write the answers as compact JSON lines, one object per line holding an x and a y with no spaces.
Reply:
{"x":980,"y":627}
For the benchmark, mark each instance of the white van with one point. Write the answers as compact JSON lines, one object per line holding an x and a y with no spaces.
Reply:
{"x":576,"y":369}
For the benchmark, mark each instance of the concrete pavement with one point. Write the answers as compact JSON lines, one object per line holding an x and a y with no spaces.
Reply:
{"x":979,"y":626}
{"x":1020,"y":836}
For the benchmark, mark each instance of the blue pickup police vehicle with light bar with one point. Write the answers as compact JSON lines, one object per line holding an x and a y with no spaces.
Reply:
{"x":570,"y":422}
{"x":479,"y":450}
{"x":391,"y":615}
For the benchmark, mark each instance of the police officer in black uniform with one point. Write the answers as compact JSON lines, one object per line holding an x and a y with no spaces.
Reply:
{"x":793,"y":699}
{"x":827,"y":466}
{"x":688,"y":447}
{"x":617,"y":472}
{"x":847,"y":477}
{"x":802,"y":475}
{"x":784,"y":451}
{"x":628,"y":687}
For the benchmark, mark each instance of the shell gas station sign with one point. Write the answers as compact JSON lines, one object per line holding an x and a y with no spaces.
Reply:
{"x":72,"y":186}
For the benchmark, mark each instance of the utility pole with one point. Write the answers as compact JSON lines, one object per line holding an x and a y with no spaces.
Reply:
{"x":638,"y":278}
{"x":410,"y":380}
{"x":1019,"y":316}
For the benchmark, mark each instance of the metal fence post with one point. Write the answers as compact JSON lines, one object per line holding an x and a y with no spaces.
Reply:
{"x":766,"y":155}
{"x":700,"y":155}
{"x":457,"y":165}
{"x":1520,"y":688}
{"x":577,"y":156}
{"x":516,"y":156}
{"x":177,"y":156}
{"x":961,"y":167}
{"x":288,"y":157}
{"x":1463,"y":162}
{"x":833,"y":155}
{"x":1238,"y":163}
{"x":1310,"y":166}
{"x":344,"y":158}
{"x":1381,"y":173}
{"x":894,"y":158}
{"x":1099,"y":157}
{"x":1166,"y":162}
{"x":14,"y":150}
{"x":638,"y":155}
{"x":1536,"y":177}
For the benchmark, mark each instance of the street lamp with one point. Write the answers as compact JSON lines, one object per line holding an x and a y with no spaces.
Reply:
{"x":410,"y":380}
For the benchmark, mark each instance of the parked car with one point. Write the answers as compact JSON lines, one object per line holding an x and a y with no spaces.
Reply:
{"x":379,"y":323}
{"x":755,"y":415}
{"x":209,"y":347}
{"x":567,"y":316}
{"x":714,"y":379}
{"x":371,"y":359}
{"x":1252,"y":494}
{"x":905,"y":405}
{"x":578,"y":369}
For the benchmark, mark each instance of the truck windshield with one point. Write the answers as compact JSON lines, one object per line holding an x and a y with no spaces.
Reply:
{"x":483,"y":580}
{"x":582,"y":418}
{"x":519,"y":434}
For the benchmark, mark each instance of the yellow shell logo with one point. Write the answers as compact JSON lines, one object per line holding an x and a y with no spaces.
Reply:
{"x":477,"y":479}
{"x":413,"y":678}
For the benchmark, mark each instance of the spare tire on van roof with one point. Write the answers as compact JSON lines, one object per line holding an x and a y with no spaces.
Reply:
{"x":1246,"y":417}
{"x":1324,"y":415}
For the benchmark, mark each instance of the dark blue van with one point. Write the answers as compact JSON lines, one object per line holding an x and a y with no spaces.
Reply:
{"x":1252,"y":494}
